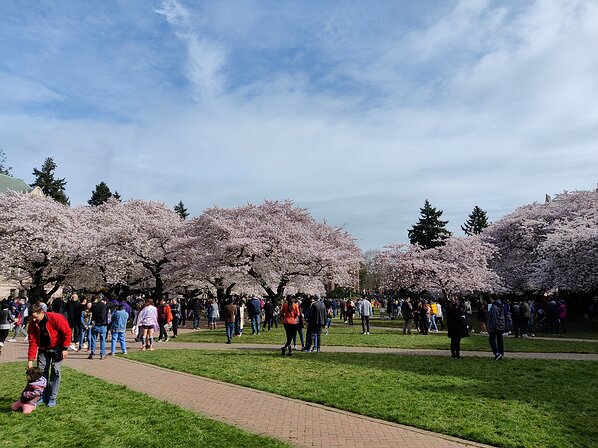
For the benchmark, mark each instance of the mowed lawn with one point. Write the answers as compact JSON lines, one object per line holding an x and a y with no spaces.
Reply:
{"x":347,"y":335}
{"x":510,"y":403}
{"x":93,"y":413}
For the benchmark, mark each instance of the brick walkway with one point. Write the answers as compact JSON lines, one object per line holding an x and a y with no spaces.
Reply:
{"x":301,"y":423}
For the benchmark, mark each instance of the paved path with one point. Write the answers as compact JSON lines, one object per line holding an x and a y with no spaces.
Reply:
{"x":301,"y":423}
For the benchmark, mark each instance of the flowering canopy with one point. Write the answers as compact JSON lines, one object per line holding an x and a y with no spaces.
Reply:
{"x":551,"y":245}
{"x":40,"y":242}
{"x":460,"y":266}
{"x":276,"y":244}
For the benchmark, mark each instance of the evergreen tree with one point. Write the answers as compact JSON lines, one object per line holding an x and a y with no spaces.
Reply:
{"x":430,"y":231}
{"x":51,"y":187}
{"x":477,"y":221}
{"x":181,"y":210}
{"x":116,"y":196}
{"x":100,"y":195}
{"x":4,"y":169}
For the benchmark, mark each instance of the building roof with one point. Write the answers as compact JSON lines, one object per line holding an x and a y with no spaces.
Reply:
{"x":14,"y":184}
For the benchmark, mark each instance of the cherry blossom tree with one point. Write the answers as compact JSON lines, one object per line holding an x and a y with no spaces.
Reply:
{"x":543,"y":246}
{"x":278,"y":246}
{"x":133,"y":242}
{"x":460,"y":266}
{"x":40,"y":242}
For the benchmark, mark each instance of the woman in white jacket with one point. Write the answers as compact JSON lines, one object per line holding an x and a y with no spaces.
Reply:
{"x":147,"y":320}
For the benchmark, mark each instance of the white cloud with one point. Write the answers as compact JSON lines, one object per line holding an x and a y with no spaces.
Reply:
{"x":205,"y":57}
{"x":512,"y":119}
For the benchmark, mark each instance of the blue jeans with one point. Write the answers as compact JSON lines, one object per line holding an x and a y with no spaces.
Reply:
{"x":433,"y":323}
{"x":120,"y":337}
{"x":95,"y":331}
{"x":196,"y":320}
{"x":230,"y":331}
{"x":255,"y":324}
{"x":50,"y":363}
{"x":300,"y":333}
{"x":84,"y":333}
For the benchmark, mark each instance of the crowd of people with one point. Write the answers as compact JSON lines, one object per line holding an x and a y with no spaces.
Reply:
{"x":81,"y":323}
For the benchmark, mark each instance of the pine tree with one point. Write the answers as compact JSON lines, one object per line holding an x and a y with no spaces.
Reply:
{"x":116,"y":196}
{"x":4,"y":169}
{"x":100,"y":195}
{"x":430,"y":231}
{"x":477,"y":221}
{"x":181,"y":210}
{"x":51,"y":187}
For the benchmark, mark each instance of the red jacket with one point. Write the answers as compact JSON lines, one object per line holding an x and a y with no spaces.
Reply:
{"x":165,"y":313}
{"x":58,"y":329}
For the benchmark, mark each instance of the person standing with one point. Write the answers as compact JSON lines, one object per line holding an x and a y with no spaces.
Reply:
{"x":175,"y":308}
{"x":230,"y":312}
{"x":71,"y":307}
{"x":147,"y":320}
{"x":407,"y":311}
{"x":457,"y":327}
{"x":99,"y":326}
{"x":49,"y":340}
{"x":5,"y":321}
{"x":562,"y":310}
{"x":197,"y":308}
{"x":366,"y":311}
{"x":290,"y":315}
{"x":254,"y":308}
{"x":497,"y":325}
{"x":317,"y":321}
{"x":213,"y":314}
{"x":240,"y":317}
{"x":119,"y":328}
{"x":164,"y":318}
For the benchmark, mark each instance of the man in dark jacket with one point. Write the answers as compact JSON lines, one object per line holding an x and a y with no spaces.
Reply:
{"x":497,"y":325}
{"x":407,"y":312}
{"x":230,"y":312}
{"x":49,"y":340}
{"x":315,"y":323}
{"x":254,"y":308}
{"x":99,"y":322}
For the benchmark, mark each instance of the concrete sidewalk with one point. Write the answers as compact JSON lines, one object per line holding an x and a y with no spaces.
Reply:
{"x":301,"y":423}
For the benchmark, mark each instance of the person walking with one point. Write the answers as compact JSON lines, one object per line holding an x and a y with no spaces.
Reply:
{"x":497,"y":325}
{"x":230,"y":312}
{"x":49,"y":340}
{"x":366,"y":312}
{"x":290,"y":318}
{"x":457,"y":327}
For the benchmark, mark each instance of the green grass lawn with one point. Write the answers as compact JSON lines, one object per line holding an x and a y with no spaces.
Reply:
{"x":93,"y":413}
{"x":342,"y":334}
{"x":512,"y":403}
{"x":576,"y":328}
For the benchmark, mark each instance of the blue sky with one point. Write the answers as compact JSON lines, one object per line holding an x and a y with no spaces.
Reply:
{"x":358,"y":111}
